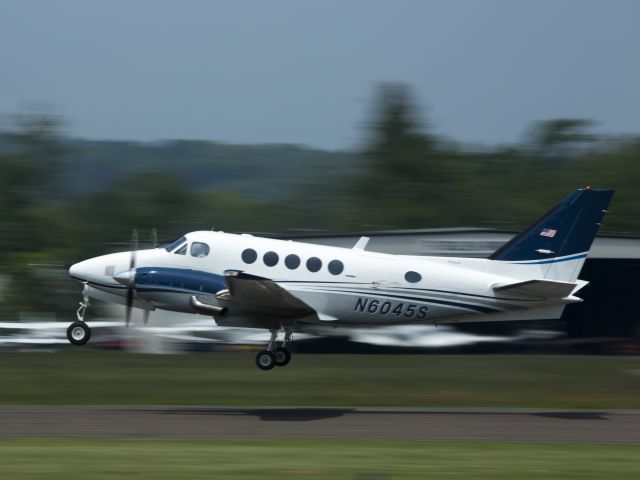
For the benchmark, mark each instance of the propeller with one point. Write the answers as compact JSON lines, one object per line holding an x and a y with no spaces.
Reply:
{"x":131,"y":287}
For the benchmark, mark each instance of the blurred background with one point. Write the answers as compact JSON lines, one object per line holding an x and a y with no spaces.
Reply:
{"x":435,"y":128}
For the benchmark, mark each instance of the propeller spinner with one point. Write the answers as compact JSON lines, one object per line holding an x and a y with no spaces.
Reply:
{"x":128,"y":277}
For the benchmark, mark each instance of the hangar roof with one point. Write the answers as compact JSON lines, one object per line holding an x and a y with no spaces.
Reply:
{"x":457,"y":242}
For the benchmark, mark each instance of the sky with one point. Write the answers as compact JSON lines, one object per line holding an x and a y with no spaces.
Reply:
{"x":305,"y":72}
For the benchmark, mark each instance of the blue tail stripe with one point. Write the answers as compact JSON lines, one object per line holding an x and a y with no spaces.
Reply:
{"x":553,"y":260}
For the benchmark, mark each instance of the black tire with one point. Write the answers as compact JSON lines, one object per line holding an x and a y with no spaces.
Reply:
{"x":78,"y":333}
{"x":265,"y":360}
{"x":282,"y":356}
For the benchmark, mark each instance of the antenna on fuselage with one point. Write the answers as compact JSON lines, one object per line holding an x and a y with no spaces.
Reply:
{"x":361,"y":244}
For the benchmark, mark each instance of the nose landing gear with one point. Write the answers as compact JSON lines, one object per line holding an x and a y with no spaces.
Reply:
{"x":79,"y":332}
{"x":275,"y":356}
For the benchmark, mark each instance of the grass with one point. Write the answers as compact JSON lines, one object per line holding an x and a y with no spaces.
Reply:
{"x":312,"y":459}
{"x":116,"y":378}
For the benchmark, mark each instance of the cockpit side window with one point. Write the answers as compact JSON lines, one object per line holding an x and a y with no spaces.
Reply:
{"x":173,"y":245}
{"x":182,"y":250}
{"x":199,"y":249}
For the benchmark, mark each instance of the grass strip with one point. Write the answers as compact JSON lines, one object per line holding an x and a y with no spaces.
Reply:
{"x":311,"y":459}
{"x":231,"y":379}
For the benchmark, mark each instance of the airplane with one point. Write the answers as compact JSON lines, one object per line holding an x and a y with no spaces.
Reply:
{"x":247,"y":281}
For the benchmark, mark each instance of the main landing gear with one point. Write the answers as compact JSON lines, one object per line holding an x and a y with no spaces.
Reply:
{"x":275,"y":356}
{"x":79,"y":332}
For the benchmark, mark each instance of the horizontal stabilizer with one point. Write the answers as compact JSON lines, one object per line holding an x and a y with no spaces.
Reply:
{"x":538,"y":288}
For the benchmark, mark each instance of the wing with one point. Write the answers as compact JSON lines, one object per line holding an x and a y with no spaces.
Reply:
{"x":260,"y":298}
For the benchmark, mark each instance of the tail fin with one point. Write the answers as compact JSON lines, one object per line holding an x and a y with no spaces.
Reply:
{"x":558,"y":243}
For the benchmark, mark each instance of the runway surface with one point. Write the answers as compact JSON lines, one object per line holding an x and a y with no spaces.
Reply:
{"x":322,"y":423}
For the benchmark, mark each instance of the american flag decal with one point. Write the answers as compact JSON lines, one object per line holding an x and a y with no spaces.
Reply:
{"x":548,"y":232}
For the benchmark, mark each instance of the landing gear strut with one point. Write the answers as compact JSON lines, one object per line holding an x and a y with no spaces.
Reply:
{"x":79,"y":332}
{"x":282,"y":353}
{"x":274,"y":355}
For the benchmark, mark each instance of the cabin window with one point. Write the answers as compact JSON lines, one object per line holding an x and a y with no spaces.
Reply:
{"x":270,"y":259}
{"x":173,"y":245}
{"x":314,"y":264}
{"x":292,"y":261}
{"x":412,"y":277}
{"x":335,"y":267}
{"x":182,"y":250}
{"x":199,"y":249}
{"x":249,"y":255}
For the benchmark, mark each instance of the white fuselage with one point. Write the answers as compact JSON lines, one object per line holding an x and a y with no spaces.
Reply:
{"x":342,"y":286}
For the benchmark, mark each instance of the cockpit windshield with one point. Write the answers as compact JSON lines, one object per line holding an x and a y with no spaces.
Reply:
{"x":171,"y":246}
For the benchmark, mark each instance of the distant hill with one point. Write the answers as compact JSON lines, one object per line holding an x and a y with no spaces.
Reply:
{"x":260,"y":171}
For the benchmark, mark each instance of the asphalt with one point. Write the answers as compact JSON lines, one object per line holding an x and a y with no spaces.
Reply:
{"x":621,"y":427}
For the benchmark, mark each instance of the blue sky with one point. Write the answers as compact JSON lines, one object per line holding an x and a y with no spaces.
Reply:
{"x":305,"y":72}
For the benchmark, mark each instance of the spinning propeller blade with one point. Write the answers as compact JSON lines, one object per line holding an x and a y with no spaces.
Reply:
{"x":154,"y":238}
{"x":131,"y":287}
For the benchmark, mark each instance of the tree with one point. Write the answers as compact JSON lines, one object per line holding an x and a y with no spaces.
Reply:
{"x":403,"y":169}
{"x":31,"y":227}
{"x":561,"y":136}
{"x":397,"y":144}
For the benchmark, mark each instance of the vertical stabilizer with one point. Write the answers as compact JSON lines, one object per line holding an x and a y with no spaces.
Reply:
{"x":558,"y":243}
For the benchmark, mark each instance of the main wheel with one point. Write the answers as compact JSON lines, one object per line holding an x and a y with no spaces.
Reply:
{"x":265,"y":360}
{"x":78,"y":333}
{"x":283,"y":356}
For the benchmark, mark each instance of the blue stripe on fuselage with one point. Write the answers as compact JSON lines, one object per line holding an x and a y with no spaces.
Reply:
{"x":398,"y":297}
{"x":178,"y":279}
{"x":553,"y":260}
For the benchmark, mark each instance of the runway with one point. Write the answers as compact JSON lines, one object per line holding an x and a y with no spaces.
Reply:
{"x":322,"y":423}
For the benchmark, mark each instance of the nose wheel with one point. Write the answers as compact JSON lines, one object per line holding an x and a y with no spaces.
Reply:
{"x":79,"y":332}
{"x":275,"y":356}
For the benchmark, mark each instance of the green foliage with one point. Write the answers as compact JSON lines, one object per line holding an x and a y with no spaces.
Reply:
{"x":412,"y":179}
{"x":27,"y":165}
{"x":405,"y":171}
{"x":560,"y":136}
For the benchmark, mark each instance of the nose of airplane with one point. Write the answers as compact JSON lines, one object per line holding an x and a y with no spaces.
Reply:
{"x":80,"y":270}
{"x":93,"y":270}
{"x":104,"y":269}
